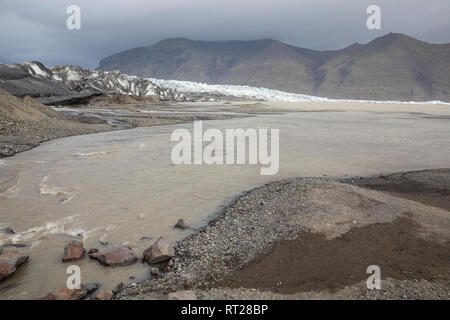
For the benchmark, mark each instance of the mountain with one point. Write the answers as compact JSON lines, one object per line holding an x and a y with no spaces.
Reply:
{"x":392,"y":67}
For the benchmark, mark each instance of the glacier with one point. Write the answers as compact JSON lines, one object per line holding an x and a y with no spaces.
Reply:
{"x":255,"y":93}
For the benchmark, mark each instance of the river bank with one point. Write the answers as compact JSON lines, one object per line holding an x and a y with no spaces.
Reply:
{"x":25,"y":123}
{"x":310,"y":238}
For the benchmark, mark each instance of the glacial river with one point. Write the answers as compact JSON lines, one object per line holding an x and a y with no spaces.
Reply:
{"x":122,"y":188}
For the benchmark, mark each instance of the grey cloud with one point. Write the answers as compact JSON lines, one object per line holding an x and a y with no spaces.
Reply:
{"x":35,"y":30}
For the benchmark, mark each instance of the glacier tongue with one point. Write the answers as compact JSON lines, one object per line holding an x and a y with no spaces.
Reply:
{"x":245,"y":92}
{"x":254,"y":93}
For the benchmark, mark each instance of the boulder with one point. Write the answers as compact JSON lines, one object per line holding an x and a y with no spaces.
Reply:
{"x":10,"y":260}
{"x":159,"y":252}
{"x":182,"y":295}
{"x":66,"y":294}
{"x":74,"y":251}
{"x":114,"y":256}
{"x":181,"y":225}
{"x":104,"y":295}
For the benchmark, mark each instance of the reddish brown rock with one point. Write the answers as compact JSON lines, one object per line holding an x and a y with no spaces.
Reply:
{"x":115,"y":256}
{"x":104,"y":295}
{"x":66,"y":294}
{"x":159,"y":252}
{"x":10,"y":260}
{"x":74,"y":251}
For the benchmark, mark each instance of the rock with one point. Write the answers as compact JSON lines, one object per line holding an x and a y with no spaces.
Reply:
{"x":90,"y":287}
{"x":182,"y":295}
{"x":118,"y":287}
{"x":181,"y":225}
{"x":66,"y":294}
{"x":93,"y":250}
{"x":7,"y":230}
{"x":114,"y":256}
{"x":74,"y":251}
{"x":155,"y":272}
{"x":104,"y":295}
{"x":159,"y":252}
{"x":10,"y":260}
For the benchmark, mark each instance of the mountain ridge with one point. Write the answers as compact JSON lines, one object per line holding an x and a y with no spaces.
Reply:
{"x":391,"y":67}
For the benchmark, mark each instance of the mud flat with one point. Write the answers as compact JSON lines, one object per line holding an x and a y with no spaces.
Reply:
{"x":313,"y":238}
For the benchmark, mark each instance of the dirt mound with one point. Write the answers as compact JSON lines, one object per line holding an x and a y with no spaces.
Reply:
{"x":312,"y":262}
{"x":24,"y":123}
{"x":15,"y":108}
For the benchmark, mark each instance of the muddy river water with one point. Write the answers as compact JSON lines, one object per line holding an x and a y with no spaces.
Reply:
{"x":121,"y":187}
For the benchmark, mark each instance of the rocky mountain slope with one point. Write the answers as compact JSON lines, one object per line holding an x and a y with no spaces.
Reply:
{"x":73,"y":84}
{"x":392,"y":67}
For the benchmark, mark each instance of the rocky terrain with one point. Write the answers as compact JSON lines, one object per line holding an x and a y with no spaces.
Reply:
{"x":392,"y":67}
{"x":313,"y":238}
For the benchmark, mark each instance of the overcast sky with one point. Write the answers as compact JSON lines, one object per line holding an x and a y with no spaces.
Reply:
{"x":36,"y":29}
